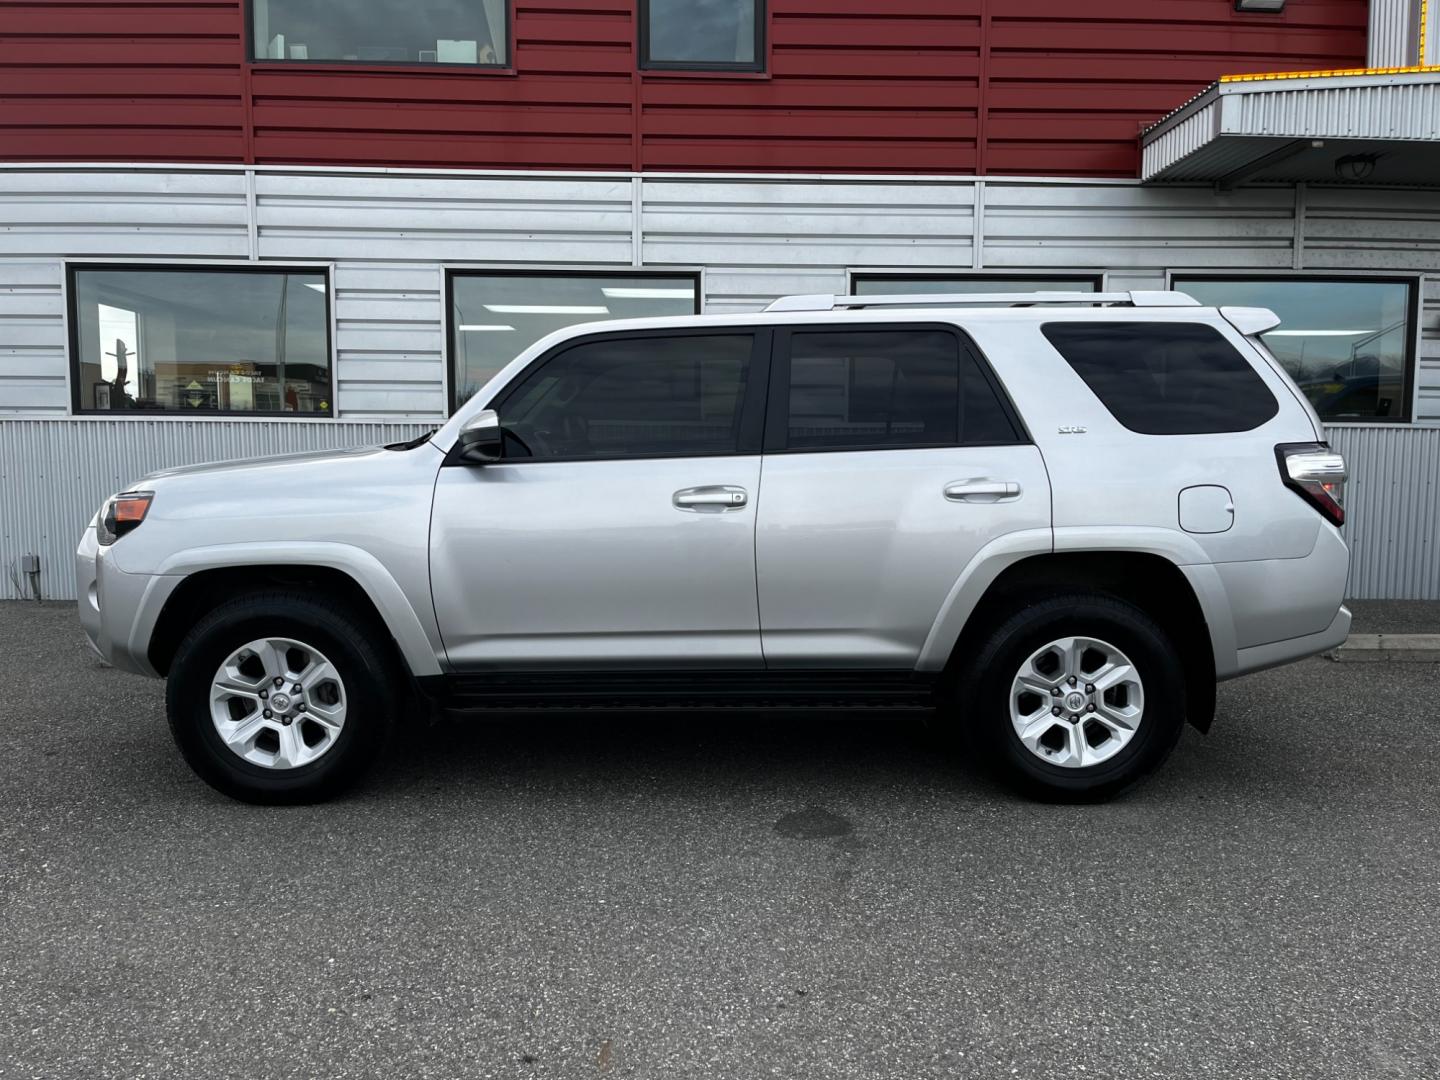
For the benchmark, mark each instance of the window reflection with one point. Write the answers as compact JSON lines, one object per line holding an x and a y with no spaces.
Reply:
{"x":702,"y":33}
{"x":1345,"y":341}
{"x":201,"y":340}
{"x":496,"y":316}
{"x":381,"y":31}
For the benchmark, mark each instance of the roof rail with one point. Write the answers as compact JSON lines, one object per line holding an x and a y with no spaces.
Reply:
{"x":1134,"y":298}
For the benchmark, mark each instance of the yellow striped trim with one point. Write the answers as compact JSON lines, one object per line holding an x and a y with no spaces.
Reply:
{"x":1336,"y":72}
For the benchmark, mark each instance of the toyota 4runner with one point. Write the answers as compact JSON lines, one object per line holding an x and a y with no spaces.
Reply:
{"x":1054,"y":519}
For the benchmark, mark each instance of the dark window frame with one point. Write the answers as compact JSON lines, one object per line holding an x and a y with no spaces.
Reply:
{"x":777,"y":412}
{"x":752,"y":405}
{"x":1414,"y":301}
{"x":758,"y":66}
{"x":1097,"y":278}
{"x":507,"y":67}
{"x":72,"y":316}
{"x":1120,"y":320}
{"x":453,"y":272}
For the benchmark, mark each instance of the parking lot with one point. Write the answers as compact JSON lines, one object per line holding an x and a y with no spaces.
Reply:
{"x":726,"y":895}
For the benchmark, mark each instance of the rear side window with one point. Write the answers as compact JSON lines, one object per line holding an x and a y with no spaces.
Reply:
{"x":1165,"y":378}
{"x":888,"y":390}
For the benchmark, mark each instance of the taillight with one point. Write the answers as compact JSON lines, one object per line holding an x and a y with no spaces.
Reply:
{"x":122,"y":514}
{"x":1317,"y":474}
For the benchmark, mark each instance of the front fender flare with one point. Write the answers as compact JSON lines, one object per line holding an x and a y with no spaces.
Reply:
{"x":405,"y":626}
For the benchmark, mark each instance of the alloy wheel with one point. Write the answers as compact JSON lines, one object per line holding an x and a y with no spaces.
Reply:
{"x":1076,"y":702}
{"x":278,"y":703}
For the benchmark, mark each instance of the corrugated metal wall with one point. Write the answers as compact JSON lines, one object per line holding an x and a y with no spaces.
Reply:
{"x":391,"y":235}
{"x":1032,"y":87}
{"x":1394,"y":33}
{"x":54,"y":475}
{"x":1393,"y":510}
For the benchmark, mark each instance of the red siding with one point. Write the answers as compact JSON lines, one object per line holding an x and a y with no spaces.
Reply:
{"x":955,"y":86}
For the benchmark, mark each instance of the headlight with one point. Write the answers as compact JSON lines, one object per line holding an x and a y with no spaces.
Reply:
{"x":122,"y":514}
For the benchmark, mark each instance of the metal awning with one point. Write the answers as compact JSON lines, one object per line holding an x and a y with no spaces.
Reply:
{"x":1372,"y":128}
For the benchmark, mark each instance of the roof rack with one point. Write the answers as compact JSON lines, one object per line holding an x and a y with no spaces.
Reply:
{"x":1134,"y":298}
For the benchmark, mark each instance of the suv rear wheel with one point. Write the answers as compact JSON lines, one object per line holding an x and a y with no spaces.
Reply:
{"x":1076,"y":697}
{"x":280,"y":698}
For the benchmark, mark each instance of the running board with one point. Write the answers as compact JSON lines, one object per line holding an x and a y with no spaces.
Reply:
{"x":672,"y":690}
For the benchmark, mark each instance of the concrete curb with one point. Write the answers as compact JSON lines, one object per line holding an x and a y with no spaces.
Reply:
{"x":1388,"y":648}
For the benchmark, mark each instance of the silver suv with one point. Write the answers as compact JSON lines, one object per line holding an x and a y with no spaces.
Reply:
{"x":1054,"y":519}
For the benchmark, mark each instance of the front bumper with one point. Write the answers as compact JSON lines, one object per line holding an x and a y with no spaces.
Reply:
{"x":118,"y":611}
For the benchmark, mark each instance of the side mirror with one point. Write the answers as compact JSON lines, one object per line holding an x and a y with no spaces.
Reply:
{"x":481,"y":440}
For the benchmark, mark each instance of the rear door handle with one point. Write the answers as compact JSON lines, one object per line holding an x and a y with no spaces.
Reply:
{"x":982,"y":490}
{"x":712,"y":499}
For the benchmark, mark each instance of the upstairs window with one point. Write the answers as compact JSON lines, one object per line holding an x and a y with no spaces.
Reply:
{"x":474,"y":33}
{"x":702,"y":35}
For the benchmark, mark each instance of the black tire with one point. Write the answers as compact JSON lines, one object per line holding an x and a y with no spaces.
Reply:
{"x":354,"y":644}
{"x":986,"y":682}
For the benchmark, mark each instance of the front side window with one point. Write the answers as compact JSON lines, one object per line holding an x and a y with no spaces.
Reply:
{"x":1348,"y":342}
{"x":1165,"y":378}
{"x":873,"y":284}
{"x":200,"y":340}
{"x":624,"y":397}
{"x":702,"y":35}
{"x":888,"y":390}
{"x":496,"y":316}
{"x":471,"y":32}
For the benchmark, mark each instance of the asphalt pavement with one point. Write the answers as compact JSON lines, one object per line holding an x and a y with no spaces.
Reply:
{"x":729,"y":896}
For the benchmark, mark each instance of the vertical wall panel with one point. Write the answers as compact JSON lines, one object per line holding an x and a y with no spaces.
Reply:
{"x":1392,"y":507}
{"x":54,"y":475}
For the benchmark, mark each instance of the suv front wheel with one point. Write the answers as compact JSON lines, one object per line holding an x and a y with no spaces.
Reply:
{"x":1076,"y":697}
{"x":280,"y":698}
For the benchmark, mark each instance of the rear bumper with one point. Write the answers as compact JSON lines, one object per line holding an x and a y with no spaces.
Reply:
{"x":1275,"y":653}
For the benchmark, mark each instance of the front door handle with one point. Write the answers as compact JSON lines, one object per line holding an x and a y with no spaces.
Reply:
{"x":712,"y":499}
{"x":982,"y":490}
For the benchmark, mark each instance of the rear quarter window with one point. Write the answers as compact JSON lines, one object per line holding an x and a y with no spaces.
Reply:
{"x":1165,"y":378}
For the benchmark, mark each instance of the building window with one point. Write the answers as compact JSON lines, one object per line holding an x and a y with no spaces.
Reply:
{"x":1348,"y":342}
{"x":702,"y":35}
{"x":200,"y":340}
{"x":473,"y":33}
{"x":495,"y":316}
{"x":872,"y":284}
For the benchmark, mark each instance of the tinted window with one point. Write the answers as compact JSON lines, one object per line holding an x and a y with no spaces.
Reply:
{"x":201,"y":340}
{"x":887,"y":390}
{"x":1348,"y":342}
{"x":1165,"y":378}
{"x":632,"y":397}
{"x":703,"y":34}
{"x":469,"y":32}
{"x":496,"y":316}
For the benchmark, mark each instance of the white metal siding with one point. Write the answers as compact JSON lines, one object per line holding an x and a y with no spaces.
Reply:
{"x":1392,"y":507}
{"x":390,"y":236}
{"x":1393,"y":33}
{"x":32,"y":340}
